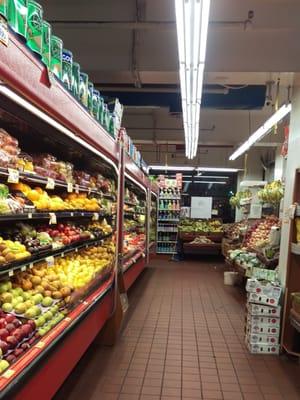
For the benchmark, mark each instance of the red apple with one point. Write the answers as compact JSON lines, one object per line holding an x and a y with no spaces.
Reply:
{"x":3,"y":346}
{"x":33,"y":339}
{"x":18,"y":352}
{"x":10,"y":327}
{"x":17,"y":322}
{"x":2,"y":322}
{"x":3,"y":333}
{"x":18,"y":334}
{"x":32,"y":324}
{"x":11,"y":358}
{"x":9,"y":318}
{"x":26,"y":329}
{"x":25,"y":346}
{"x":12,"y":341}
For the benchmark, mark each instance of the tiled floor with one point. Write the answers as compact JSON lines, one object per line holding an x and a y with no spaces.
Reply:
{"x":183,"y":340}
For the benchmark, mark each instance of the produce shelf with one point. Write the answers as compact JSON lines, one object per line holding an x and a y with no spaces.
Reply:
{"x":58,"y":214}
{"x":132,"y":258}
{"x":132,"y":214}
{"x":47,"y":255}
{"x":57,"y":349}
{"x":167,"y":241}
{"x":130,"y":204}
{"x":132,"y":272}
{"x":166,"y":252}
{"x":169,"y":198}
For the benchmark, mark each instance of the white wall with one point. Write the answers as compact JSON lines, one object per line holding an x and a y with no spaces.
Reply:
{"x":293,"y":162}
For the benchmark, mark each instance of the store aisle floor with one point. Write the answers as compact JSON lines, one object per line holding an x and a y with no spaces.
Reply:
{"x":183,"y":340}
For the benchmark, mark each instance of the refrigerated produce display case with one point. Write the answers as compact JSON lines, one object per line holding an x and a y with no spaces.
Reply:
{"x":134,"y":251}
{"x":59,"y":180}
{"x":153,"y":202}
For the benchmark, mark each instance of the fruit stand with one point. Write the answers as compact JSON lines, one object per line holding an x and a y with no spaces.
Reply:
{"x":201,"y":236}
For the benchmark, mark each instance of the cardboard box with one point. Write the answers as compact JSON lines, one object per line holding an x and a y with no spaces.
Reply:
{"x":262,"y":329}
{"x":263,"y":348}
{"x":257,"y":309}
{"x":262,"y":339}
{"x":262,"y":320}
{"x":263,"y":288}
{"x":262,"y":299}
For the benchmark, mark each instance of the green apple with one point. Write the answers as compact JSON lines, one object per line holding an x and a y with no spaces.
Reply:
{"x":5,"y":287}
{"x":6,"y":297}
{"x":26,"y":296}
{"x":40,"y":321}
{"x":20,"y":308}
{"x":37,"y":298}
{"x":47,"y":301}
{"x":7,"y":307}
{"x":3,"y":365}
{"x":48,"y":315}
{"x":19,"y":299}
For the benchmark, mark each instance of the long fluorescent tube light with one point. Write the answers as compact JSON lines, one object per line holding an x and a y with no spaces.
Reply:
{"x":212,"y":169}
{"x":192,"y":18}
{"x":169,"y":168}
{"x":187,"y":168}
{"x":45,"y":117}
{"x":207,"y":182}
{"x":262,"y":131}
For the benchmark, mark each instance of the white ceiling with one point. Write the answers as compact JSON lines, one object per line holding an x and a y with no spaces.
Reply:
{"x":268,"y":49}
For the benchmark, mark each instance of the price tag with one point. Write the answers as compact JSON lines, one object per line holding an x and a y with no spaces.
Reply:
{"x":8,"y":373}
{"x":11,"y":273}
{"x":76,"y":250}
{"x":143,"y":255}
{"x":72,"y":214}
{"x":90,"y":190}
{"x":24,"y":268}
{"x":62,"y":255}
{"x":50,"y":261}
{"x":68,"y":319}
{"x":77,"y":189}
{"x":95,"y":217}
{"x":29,"y":215}
{"x":31,"y":265}
{"x":40,"y":344}
{"x":13,"y":175}
{"x":50,"y":183}
{"x":70,"y":187}
{"x":53,"y":219}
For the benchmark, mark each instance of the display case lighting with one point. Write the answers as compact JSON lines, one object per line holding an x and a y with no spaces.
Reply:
{"x":192,"y":24}
{"x":262,"y":131}
{"x":6,"y":91}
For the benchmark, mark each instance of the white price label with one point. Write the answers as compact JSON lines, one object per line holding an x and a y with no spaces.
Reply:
{"x":72,"y":214}
{"x":24,"y":268}
{"x":13,"y":175}
{"x":90,"y":190}
{"x":50,"y":261}
{"x":77,"y":189}
{"x":53,"y":219}
{"x":50,"y":183}
{"x":31,"y":265}
{"x":76,"y":250}
{"x":29,"y":215}
{"x":11,"y":273}
{"x":70,"y":187}
{"x":95,"y":217}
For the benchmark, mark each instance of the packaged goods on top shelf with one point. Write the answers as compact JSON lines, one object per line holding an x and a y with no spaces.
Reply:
{"x":34,"y":301}
{"x":131,"y":149}
{"x":26,"y":19}
{"x":133,"y":242}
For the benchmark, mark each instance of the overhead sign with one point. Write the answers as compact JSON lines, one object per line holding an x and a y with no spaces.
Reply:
{"x":201,"y":207}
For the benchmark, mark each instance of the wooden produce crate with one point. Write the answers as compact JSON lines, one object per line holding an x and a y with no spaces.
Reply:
{"x":190,"y":236}
{"x":227,"y":245}
{"x":205,"y":248}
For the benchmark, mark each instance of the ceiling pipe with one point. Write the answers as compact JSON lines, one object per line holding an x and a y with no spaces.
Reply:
{"x":115,"y":88}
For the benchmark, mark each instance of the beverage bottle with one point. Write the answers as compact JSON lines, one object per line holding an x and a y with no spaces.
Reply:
{"x":170,"y":205}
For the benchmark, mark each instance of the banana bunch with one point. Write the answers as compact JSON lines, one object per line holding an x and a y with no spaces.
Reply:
{"x":272,"y":193}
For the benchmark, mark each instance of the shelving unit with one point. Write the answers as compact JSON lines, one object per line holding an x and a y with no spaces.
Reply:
{"x":290,"y":331}
{"x":152,"y":218}
{"x":168,"y":216}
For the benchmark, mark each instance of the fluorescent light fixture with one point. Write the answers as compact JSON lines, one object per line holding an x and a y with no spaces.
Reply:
{"x":6,"y":91}
{"x":262,"y":131}
{"x":212,"y":169}
{"x":192,"y":18}
{"x":207,"y":182}
{"x":170,"y":168}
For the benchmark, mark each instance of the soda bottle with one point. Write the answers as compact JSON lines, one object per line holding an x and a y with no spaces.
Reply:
{"x":46,"y":43}
{"x":34,"y":31}
{"x":17,"y":16}
{"x":56,"y":56}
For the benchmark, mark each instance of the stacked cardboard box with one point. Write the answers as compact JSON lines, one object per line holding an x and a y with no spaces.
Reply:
{"x":263,"y":317}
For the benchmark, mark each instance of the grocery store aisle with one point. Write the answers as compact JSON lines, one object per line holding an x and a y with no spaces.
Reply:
{"x":183,"y":340}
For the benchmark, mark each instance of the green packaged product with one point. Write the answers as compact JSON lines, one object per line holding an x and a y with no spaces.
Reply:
{"x":17,"y":16}
{"x":3,"y":8}
{"x":56,"y":56}
{"x":90,"y":97}
{"x":46,"y":46}
{"x":83,"y":88}
{"x":75,"y":79}
{"x":100,"y":111}
{"x":96,"y":103}
{"x":67,"y":62}
{"x":34,"y":26}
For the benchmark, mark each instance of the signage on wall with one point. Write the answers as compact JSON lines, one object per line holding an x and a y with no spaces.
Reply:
{"x":201,"y":207}
{"x":170,"y":183}
{"x":161,"y":181}
{"x":179,"y":181}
